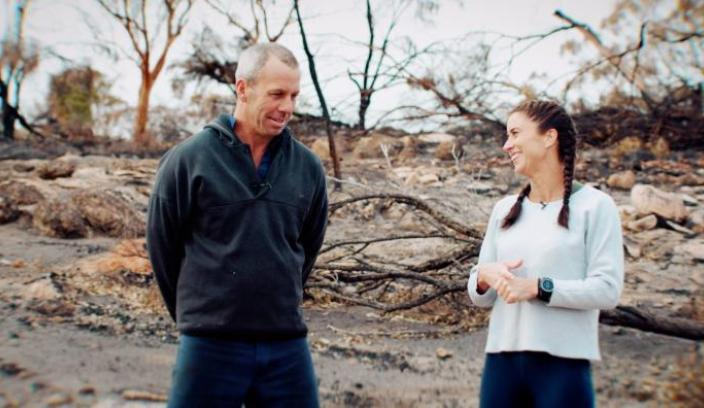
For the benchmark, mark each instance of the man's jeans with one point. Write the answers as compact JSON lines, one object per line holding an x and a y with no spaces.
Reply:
{"x":227,"y":373}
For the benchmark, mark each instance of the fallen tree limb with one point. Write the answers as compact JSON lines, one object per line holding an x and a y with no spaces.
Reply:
{"x":386,"y":308}
{"x":363,"y":279}
{"x":643,"y":319}
{"x":418,"y":204}
{"x":398,"y":333}
{"x":370,"y":272}
{"x":338,"y":244}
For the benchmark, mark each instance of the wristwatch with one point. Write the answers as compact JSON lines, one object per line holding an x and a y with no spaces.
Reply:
{"x":545,"y":286}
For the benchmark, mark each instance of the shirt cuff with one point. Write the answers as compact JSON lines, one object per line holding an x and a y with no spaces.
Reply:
{"x":485,"y":299}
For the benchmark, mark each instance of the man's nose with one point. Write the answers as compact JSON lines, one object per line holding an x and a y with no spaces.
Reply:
{"x":287,"y":105}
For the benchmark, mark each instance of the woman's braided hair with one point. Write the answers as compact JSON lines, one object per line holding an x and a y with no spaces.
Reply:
{"x":549,"y":115}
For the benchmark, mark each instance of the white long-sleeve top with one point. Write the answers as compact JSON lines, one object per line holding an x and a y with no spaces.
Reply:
{"x":585,"y":262}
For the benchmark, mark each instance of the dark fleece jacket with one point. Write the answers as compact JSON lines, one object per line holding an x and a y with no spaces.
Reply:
{"x":230,"y":252}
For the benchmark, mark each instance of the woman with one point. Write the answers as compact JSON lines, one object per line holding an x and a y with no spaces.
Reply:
{"x":552,"y":257}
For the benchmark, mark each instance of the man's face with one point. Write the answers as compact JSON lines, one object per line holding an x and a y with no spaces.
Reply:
{"x":269,"y":100}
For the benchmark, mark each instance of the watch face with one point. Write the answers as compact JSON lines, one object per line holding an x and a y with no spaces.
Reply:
{"x":546,"y":284}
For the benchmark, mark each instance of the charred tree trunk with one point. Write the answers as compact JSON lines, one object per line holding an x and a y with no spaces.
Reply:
{"x":8,"y":117}
{"x":365,"y":99}
{"x":321,"y":99}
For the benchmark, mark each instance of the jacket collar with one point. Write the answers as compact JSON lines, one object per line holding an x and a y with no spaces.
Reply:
{"x":222,"y":125}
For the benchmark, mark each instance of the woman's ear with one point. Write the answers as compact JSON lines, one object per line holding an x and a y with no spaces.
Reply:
{"x":550,"y":138}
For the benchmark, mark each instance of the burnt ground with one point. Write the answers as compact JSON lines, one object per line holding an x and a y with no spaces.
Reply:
{"x":69,"y":338}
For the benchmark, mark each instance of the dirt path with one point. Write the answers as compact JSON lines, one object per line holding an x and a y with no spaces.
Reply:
{"x":357,"y":365}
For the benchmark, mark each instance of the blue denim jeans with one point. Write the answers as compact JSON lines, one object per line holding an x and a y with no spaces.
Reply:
{"x":535,"y":379}
{"x":228,"y":373}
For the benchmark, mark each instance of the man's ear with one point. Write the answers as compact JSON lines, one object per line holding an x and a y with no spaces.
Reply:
{"x":550,"y":138}
{"x":241,"y":90}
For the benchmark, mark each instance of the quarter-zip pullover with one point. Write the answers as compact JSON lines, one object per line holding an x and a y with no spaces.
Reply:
{"x":230,"y":251}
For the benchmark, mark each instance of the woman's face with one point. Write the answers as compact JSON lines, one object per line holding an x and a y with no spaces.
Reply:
{"x":526,"y":145}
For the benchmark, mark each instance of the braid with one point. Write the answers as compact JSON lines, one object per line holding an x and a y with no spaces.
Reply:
{"x":550,"y":115}
{"x":566,"y":153}
{"x":567,"y":148}
{"x":515,"y":212}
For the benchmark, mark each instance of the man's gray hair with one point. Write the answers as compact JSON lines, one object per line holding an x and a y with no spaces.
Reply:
{"x":252,"y":59}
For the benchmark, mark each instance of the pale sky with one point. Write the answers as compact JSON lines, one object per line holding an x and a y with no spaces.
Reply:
{"x":332,"y":26}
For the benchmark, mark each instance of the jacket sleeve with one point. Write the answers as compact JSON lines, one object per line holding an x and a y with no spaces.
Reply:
{"x":169,"y":206}
{"x":602,"y":286}
{"x":314,"y":227}
{"x":487,"y":254}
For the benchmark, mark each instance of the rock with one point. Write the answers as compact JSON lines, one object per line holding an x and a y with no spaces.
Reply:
{"x":410,"y":148}
{"x":20,"y":192}
{"x":436,"y":138}
{"x":55,"y":169}
{"x":91,"y":173}
{"x":132,"y":247}
{"x":53,"y":308}
{"x":396,"y":212}
{"x":42,"y":289}
{"x":422,"y":175}
{"x":58,"y":399}
{"x":480,"y":188}
{"x":87,"y":390}
{"x":23,"y":167}
{"x":696,"y":218}
{"x":428,"y":179}
{"x":321,"y":148}
{"x":689,"y":201}
{"x":411,"y":180}
{"x":649,"y":200}
{"x":403,"y":172}
{"x":8,"y":211}
{"x":690,"y":179}
{"x":409,"y":222}
{"x":10,"y":369}
{"x":443,"y":354}
{"x":370,"y":147}
{"x":58,"y":218}
{"x":646,"y":223}
{"x":627,"y":213}
{"x":423,"y":364}
{"x":679,"y":228}
{"x":632,"y":249}
{"x":108,"y":212}
{"x":629,"y":144}
{"x":660,"y":148}
{"x":694,"y":250}
{"x":138,"y":395}
{"x":116,"y":263}
{"x":623,"y":180}
{"x":18,"y":263}
{"x":444,"y":151}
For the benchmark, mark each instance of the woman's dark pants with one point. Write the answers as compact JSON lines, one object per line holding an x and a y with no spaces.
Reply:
{"x":533,"y":379}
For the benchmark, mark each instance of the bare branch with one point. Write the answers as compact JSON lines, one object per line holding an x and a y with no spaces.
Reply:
{"x":614,"y":59}
{"x":338,"y":244}
{"x":415,"y":203}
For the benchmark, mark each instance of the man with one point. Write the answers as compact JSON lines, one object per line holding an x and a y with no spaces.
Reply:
{"x":236,"y":219}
